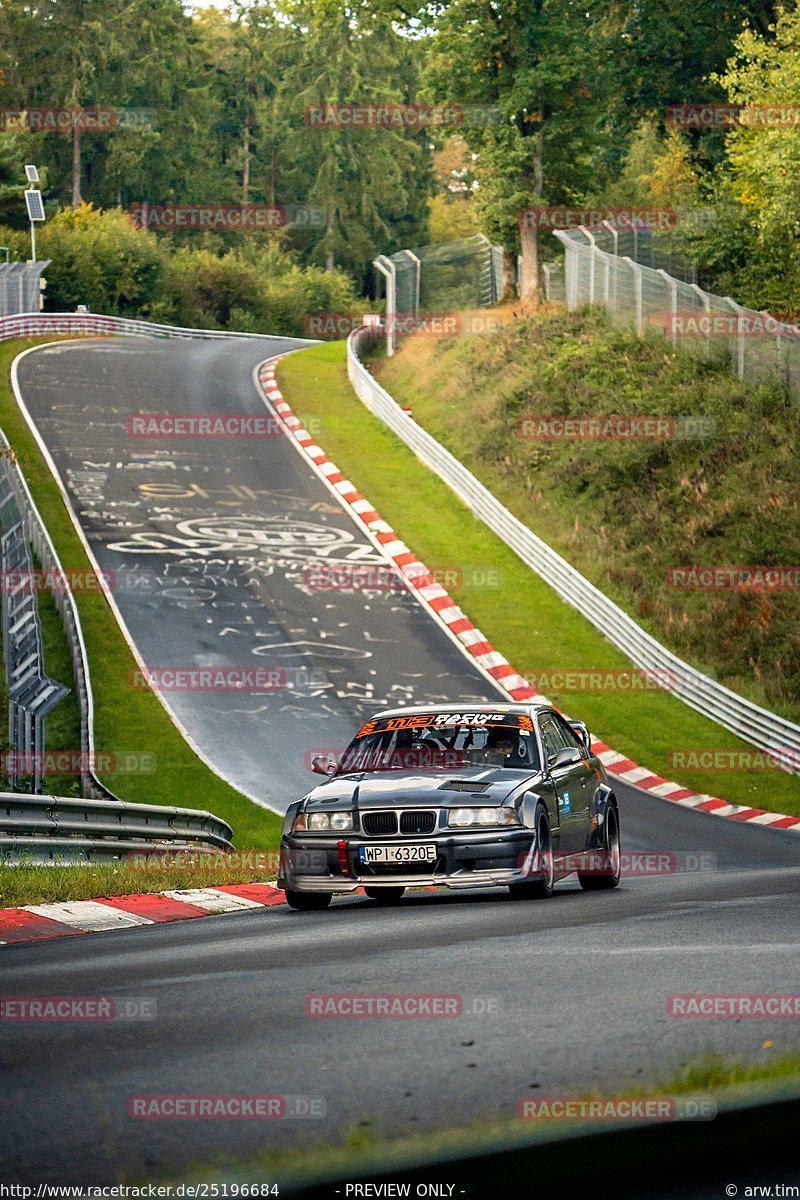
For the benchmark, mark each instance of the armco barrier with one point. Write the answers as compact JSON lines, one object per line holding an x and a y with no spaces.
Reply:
{"x":43,"y":829}
{"x":65,"y":605}
{"x":748,"y":721}
{"x":94,"y":324}
{"x":31,"y":693}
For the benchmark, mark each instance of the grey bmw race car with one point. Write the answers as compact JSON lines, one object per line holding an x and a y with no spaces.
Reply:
{"x":496,"y":795}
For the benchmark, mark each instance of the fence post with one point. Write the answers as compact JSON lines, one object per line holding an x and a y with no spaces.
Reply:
{"x":587,"y":233}
{"x":612,"y":299}
{"x":417,"y":277}
{"x":570,"y":267}
{"x":739,"y":360}
{"x":637,"y":292}
{"x":706,"y":302}
{"x":673,"y":302}
{"x":388,"y":270}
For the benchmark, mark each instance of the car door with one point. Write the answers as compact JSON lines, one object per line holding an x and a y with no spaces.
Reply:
{"x":568,"y":781}
{"x":582,"y":803}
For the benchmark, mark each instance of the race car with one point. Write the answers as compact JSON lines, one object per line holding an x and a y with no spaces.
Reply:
{"x":496,"y":795}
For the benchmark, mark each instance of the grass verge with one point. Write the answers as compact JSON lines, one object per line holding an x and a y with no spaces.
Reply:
{"x":721,"y":488}
{"x":523,"y":617}
{"x":366,"y":1147}
{"x":123,"y":714}
{"x":50,"y":885}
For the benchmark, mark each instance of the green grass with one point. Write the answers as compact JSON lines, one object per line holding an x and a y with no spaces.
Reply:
{"x":367,"y":1147}
{"x":523,"y":617}
{"x":124,"y":716}
{"x":626,"y":512}
{"x":50,"y":885}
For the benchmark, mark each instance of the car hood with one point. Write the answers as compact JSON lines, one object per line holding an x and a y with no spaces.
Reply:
{"x":483,"y":786}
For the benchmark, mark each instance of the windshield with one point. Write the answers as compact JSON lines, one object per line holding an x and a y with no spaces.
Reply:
{"x":427,"y":742}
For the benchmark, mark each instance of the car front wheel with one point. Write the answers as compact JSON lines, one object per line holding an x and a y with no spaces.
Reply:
{"x":308,"y":901}
{"x":541,"y":888}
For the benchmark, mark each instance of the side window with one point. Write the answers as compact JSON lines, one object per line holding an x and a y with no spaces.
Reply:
{"x":551,"y":736}
{"x":569,"y":734}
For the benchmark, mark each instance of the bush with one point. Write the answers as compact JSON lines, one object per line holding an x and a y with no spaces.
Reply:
{"x":101,"y":259}
{"x":253,"y":292}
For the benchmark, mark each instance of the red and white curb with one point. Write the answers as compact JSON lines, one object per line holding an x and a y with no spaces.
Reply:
{"x":38,"y":922}
{"x":444,"y":609}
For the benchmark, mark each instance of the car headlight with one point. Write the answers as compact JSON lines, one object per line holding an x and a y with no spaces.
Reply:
{"x":464,"y":817}
{"x":316,"y":822}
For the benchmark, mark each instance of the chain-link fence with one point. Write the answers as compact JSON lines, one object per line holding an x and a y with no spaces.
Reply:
{"x":436,"y":281}
{"x":19,"y":287}
{"x":608,"y":267}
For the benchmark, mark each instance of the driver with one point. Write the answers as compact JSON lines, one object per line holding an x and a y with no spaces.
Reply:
{"x":502,"y":741}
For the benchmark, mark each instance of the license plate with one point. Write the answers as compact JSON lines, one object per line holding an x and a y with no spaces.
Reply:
{"x":397,"y":854}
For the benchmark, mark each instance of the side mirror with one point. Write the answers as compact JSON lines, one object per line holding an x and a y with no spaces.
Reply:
{"x":583,"y":733}
{"x":565,"y":757}
{"x":323,"y":764}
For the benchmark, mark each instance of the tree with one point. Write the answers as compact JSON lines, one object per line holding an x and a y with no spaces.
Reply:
{"x":371,"y":183}
{"x":546,"y":65}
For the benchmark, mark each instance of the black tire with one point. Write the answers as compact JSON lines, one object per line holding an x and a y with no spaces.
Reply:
{"x":603,"y":881}
{"x":539,"y":889}
{"x":385,"y":895}
{"x":308,"y":901}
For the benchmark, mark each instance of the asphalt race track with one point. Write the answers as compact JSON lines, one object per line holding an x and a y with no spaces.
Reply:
{"x":560,"y":996}
{"x":212,"y":545}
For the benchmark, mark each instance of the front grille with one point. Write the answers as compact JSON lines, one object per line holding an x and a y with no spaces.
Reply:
{"x":417,"y":822}
{"x":379,"y":822}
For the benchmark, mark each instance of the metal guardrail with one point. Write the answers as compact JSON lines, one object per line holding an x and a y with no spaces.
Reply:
{"x":31,"y":693}
{"x":33,"y":324}
{"x":747,"y":720}
{"x":67,"y":610}
{"x":49,"y":829}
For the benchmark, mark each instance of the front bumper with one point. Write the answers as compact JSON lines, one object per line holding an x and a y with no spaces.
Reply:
{"x":493,"y":858}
